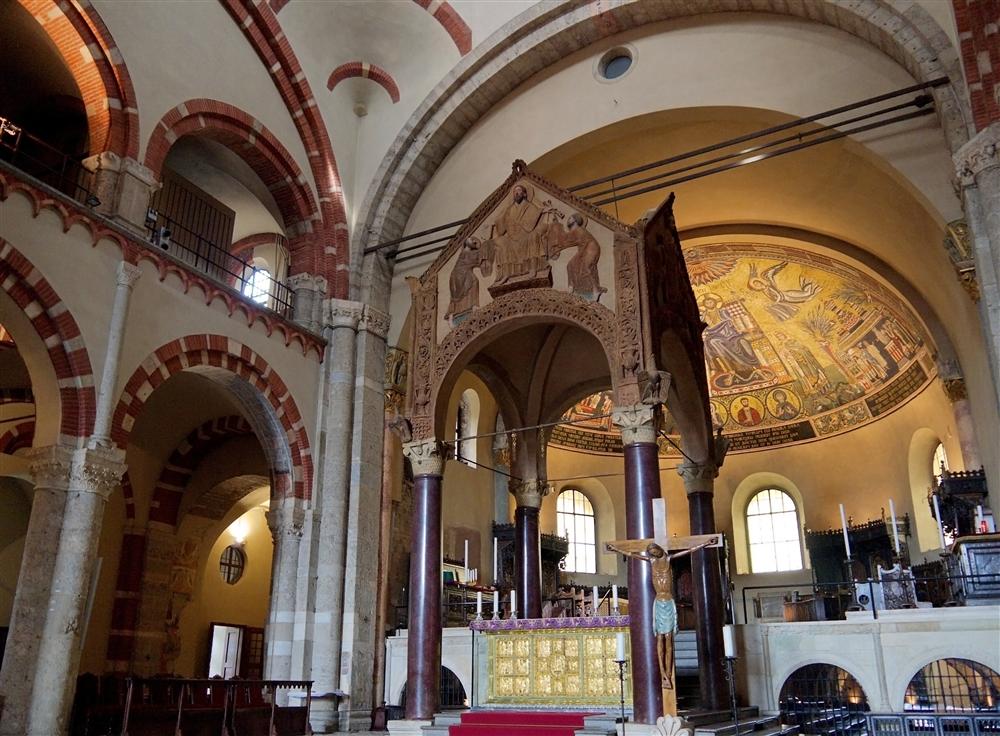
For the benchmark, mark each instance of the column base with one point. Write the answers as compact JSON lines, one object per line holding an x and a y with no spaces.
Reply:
{"x":406,"y":728}
{"x":324,"y":717}
{"x":665,"y":726}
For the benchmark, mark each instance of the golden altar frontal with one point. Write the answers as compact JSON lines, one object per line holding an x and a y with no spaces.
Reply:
{"x":568,"y":662}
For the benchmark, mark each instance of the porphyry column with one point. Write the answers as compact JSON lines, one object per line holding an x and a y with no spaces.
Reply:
{"x":699,"y":482}
{"x":527,"y":546}
{"x":642,"y":485}
{"x":423,"y":641}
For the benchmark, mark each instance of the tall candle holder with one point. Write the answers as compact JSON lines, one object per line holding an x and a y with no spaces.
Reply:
{"x":622,"y":664}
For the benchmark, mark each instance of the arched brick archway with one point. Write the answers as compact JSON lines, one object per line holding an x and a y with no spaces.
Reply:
{"x":268,"y":404}
{"x":56,"y":327}
{"x":256,"y":145}
{"x":364,"y":70}
{"x":96,"y":63}
{"x":17,"y":438}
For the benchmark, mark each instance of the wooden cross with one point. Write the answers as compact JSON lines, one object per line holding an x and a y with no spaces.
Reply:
{"x":663,"y":583}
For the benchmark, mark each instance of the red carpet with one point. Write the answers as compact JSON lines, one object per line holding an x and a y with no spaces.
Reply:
{"x":518,"y":723}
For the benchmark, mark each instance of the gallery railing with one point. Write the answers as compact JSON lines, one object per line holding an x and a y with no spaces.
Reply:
{"x":831,"y":601}
{"x":932,"y":724}
{"x":45,"y":162}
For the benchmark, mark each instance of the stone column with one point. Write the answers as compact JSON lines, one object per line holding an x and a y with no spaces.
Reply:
{"x":527,"y":547}
{"x":106,"y":394}
{"x":423,"y":641}
{"x":333,"y":488}
{"x":124,"y":187}
{"x":709,"y":609}
{"x":308,"y":292}
{"x":954,"y":389}
{"x":285,"y":520}
{"x":85,"y":477}
{"x":638,"y":425}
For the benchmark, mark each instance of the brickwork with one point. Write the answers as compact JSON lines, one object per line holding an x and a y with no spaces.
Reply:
{"x":364,"y":70}
{"x":17,"y":437}
{"x":328,"y":253}
{"x":451,"y":21}
{"x":125,"y":608}
{"x":251,"y":141}
{"x":222,"y":358}
{"x":57,"y":328}
{"x":96,"y":63}
{"x":979,"y":36}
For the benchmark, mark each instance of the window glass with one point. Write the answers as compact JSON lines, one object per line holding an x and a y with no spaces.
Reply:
{"x":256,"y":287}
{"x":773,"y":532}
{"x":575,"y":519}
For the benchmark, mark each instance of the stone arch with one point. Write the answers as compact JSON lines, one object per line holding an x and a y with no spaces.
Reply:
{"x":898,"y":697}
{"x":55,"y":327}
{"x":250,"y":140}
{"x":905,"y":32}
{"x":919,"y":462}
{"x":95,"y":61}
{"x":17,"y":437}
{"x":867,"y":681}
{"x":506,"y":314}
{"x":269,"y":406}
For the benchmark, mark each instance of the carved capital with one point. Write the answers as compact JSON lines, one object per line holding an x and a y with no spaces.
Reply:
{"x":83,"y":470}
{"x":343,"y":313}
{"x":375,"y":321}
{"x":307,"y":281}
{"x":954,"y":389}
{"x":969,"y":282}
{"x":978,"y":155}
{"x":285,"y":523}
{"x":128,"y":274}
{"x":529,"y":493}
{"x":426,"y":457}
{"x":638,"y":424}
{"x":698,"y":477}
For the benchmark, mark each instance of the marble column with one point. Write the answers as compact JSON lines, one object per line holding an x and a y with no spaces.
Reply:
{"x":709,"y":608}
{"x":423,"y":643}
{"x":127,"y":276}
{"x":527,"y":547}
{"x":642,"y":484}
{"x":333,"y":489}
{"x":285,"y":519}
{"x":57,"y":573}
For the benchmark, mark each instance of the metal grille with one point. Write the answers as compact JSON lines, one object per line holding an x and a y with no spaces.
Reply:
{"x":451,"y":694}
{"x":954,"y":685}
{"x":49,"y":165}
{"x":824,"y":699}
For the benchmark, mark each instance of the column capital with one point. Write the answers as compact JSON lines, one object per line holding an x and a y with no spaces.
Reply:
{"x":529,"y":493}
{"x":978,"y":155}
{"x":88,"y":470}
{"x":426,"y":457}
{"x":374,"y":321}
{"x":128,"y":274}
{"x":698,"y":477}
{"x":285,"y":522}
{"x":308,"y":281}
{"x":954,"y":389}
{"x":638,"y":424}
{"x":342,"y":313}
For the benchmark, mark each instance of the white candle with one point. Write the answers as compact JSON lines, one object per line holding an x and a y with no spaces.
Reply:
{"x":895,"y":531}
{"x":596,"y":601}
{"x":937,"y":518}
{"x":620,"y":646}
{"x":479,"y":604}
{"x":614,"y":598}
{"x":513,"y":604}
{"x":494,"y":560}
{"x":496,"y":603}
{"x":466,"y":565}
{"x":729,"y":640}
{"x":979,"y":519}
{"x":847,"y":539}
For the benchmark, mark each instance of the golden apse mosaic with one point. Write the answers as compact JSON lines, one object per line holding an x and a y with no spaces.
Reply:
{"x":798,"y":346}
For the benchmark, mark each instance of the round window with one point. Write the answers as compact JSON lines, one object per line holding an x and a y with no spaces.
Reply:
{"x":615,"y":63}
{"x":232,"y":564}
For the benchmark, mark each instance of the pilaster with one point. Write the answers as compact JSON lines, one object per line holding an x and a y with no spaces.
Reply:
{"x":124,"y":187}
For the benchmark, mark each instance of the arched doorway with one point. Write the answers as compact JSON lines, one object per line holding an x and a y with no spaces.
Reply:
{"x":822,"y":698}
{"x":952,"y":684}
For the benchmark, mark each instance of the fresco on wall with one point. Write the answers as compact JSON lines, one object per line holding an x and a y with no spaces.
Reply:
{"x":798,"y":346}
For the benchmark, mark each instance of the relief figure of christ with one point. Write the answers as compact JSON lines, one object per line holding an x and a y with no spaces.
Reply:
{"x":520,"y":237}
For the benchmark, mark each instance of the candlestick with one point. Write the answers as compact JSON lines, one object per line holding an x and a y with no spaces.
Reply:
{"x":513,"y":604}
{"x":847,"y":539}
{"x":596,"y":603}
{"x":479,"y":605}
{"x":979,"y":519}
{"x":496,"y":605}
{"x":937,"y":518}
{"x":729,"y":640}
{"x":494,"y":560}
{"x":614,"y":598}
{"x":895,"y":531}
{"x":466,"y":565}
{"x":620,"y":646}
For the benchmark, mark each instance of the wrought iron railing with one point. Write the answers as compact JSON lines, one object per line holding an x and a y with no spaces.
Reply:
{"x":932,"y":724}
{"x":45,"y":162}
{"x":209,"y":258}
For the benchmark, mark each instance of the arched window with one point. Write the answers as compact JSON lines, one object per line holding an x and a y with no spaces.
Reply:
{"x":953,"y":685}
{"x":466,"y":427}
{"x":940,"y":462}
{"x":257,"y":285}
{"x":823,"y":698}
{"x":773,"y":532}
{"x":575,"y":518}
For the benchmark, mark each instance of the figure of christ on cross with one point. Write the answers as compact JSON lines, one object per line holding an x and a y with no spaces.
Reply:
{"x":655,"y":552}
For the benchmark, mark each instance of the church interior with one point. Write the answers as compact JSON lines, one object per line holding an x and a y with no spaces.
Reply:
{"x":483,"y":367}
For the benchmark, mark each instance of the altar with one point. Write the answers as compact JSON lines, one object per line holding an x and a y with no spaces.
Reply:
{"x":550,"y":663}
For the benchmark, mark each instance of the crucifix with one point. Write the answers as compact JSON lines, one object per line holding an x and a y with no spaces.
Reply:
{"x":656,"y":552}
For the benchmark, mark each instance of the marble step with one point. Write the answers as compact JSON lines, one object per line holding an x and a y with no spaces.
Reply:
{"x":704,"y":717}
{"x":728,"y":727}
